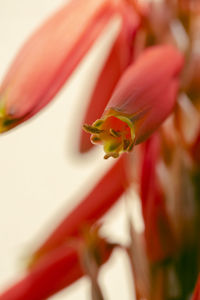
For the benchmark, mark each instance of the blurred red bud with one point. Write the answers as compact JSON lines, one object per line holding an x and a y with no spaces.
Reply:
{"x":49,"y":57}
{"x":59,"y":268}
{"x":55,"y":271}
{"x":98,"y":201}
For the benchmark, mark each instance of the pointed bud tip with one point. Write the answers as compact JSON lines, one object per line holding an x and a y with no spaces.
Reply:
{"x":6,"y":122}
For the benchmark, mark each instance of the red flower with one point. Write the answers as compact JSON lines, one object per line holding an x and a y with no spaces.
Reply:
{"x":120,"y":57}
{"x":99,"y":200}
{"x":60,"y":268}
{"x":142,"y":100}
{"x":132,"y":96}
{"x":56,"y":264}
{"x":49,"y":57}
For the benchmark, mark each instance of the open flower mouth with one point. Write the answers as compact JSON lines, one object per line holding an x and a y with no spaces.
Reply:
{"x":115,"y":131}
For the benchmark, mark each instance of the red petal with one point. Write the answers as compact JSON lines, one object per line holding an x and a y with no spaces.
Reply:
{"x":55,"y":271}
{"x":93,"y":207}
{"x":58,"y":269}
{"x":118,"y":60}
{"x":49,"y":57}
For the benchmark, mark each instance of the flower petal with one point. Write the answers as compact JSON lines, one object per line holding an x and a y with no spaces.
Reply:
{"x":94,"y":206}
{"x":58,"y":269}
{"x":120,"y":57}
{"x":55,"y":271}
{"x":49,"y":57}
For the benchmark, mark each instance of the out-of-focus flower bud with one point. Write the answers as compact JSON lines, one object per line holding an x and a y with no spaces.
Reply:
{"x":49,"y":57}
{"x":142,"y":100}
{"x":60,"y":268}
{"x":98,"y":201}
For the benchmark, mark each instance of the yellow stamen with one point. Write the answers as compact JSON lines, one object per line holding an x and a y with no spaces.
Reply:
{"x":91,"y":129}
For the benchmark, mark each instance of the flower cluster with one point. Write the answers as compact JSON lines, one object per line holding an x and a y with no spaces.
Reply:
{"x":147,"y":96}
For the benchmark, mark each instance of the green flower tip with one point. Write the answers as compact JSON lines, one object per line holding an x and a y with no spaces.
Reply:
{"x":6,"y":122}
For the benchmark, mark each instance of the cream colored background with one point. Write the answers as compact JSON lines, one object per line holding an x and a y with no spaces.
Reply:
{"x":42,"y":176}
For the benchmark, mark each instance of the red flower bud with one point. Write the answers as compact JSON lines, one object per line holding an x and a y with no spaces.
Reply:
{"x":57,"y":270}
{"x":60,"y":268}
{"x":99,"y":200}
{"x":142,"y":100}
{"x":49,"y":57}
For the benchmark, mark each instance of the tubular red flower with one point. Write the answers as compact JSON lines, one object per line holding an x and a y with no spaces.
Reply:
{"x":49,"y":57}
{"x":94,"y":206}
{"x":58,"y":269}
{"x":160,"y":241}
{"x":120,"y":57}
{"x":142,"y":100}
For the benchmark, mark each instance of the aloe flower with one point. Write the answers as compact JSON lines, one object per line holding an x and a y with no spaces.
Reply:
{"x":60,"y":259}
{"x":51,"y":54}
{"x":151,"y":73}
{"x":91,"y":208}
{"x":48,"y":277}
{"x":60,"y":268}
{"x":142,"y":100}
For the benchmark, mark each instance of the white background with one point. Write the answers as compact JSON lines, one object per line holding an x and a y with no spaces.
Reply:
{"x":40,"y":178}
